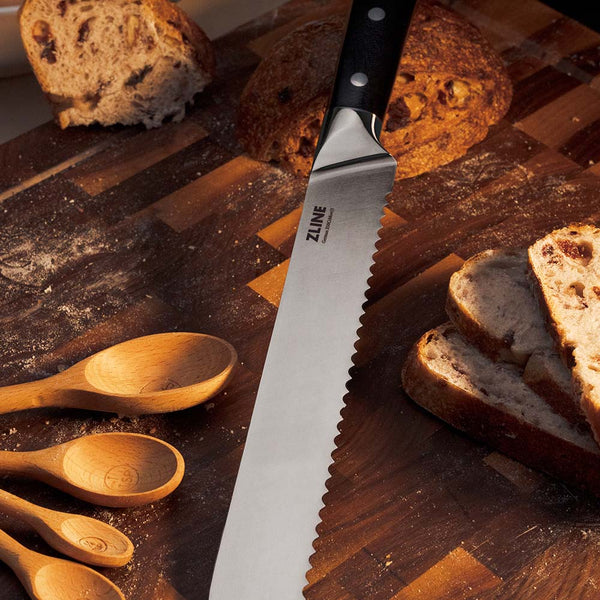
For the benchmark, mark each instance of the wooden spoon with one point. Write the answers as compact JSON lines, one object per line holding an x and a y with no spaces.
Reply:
{"x":111,"y":469}
{"x":47,"y":578}
{"x":152,"y":374}
{"x":82,"y":538}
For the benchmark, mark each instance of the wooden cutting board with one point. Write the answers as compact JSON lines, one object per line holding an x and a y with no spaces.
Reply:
{"x":111,"y":234}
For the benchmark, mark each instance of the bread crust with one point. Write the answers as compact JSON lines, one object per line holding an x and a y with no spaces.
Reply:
{"x":446,"y":61}
{"x":76,"y":109}
{"x":567,"y":291}
{"x":558,"y":394}
{"x":170,"y":14}
{"x":486,"y":423}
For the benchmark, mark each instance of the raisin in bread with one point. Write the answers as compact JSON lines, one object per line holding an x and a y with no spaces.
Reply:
{"x":490,"y":301}
{"x":489,"y":401}
{"x":115,"y":61}
{"x":566,"y":266}
{"x":450,"y":87}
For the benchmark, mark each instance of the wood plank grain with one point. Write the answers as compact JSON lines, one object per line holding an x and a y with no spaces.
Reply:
{"x":563,"y":37}
{"x":555,"y":123}
{"x":512,"y":21}
{"x":192,"y":203}
{"x":519,"y":475}
{"x":47,"y":147}
{"x":384,"y":322}
{"x":55,"y":169}
{"x":507,"y":541}
{"x":458,"y":575}
{"x":537,"y":90}
{"x":574,"y":556}
{"x":270,"y":284}
{"x":283,"y":230}
{"x":112,"y":166}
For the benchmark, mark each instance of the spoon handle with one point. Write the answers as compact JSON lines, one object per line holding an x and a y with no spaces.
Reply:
{"x":32,"y":394}
{"x":15,"y":463}
{"x":16,"y":507}
{"x":12,"y":553}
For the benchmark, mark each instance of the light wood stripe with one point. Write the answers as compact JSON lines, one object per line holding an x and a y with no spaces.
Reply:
{"x":165,"y":591}
{"x":117,"y":164}
{"x":449,"y":578}
{"x":194,"y":202}
{"x":270,"y":284}
{"x":56,"y":169}
{"x":556,"y":122}
{"x":518,"y":474}
{"x":391,"y":219}
{"x":280,"y":231}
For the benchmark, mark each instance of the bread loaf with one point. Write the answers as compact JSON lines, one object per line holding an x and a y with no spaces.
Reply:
{"x":115,"y":61}
{"x":450,"y":87}
{"x":566,"y":266}
{"x":451,"y":379}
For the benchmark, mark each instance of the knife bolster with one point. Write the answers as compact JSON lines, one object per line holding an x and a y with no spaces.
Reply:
{"x":348,"y":136}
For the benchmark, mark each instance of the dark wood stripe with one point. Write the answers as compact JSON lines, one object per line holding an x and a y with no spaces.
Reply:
{"x":537,"y":90}
{"x":583,"y":147}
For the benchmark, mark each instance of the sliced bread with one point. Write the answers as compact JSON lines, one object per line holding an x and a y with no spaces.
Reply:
{"x":490,"y":301}
{"x":115,"y":62}
{"x":566,"y":266}
{"x":489,"y":401}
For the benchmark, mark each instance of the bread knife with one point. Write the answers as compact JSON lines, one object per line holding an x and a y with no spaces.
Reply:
{"x":267,"y":540}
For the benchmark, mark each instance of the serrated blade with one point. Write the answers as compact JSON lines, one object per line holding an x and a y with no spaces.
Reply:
{"x":270,"y":528}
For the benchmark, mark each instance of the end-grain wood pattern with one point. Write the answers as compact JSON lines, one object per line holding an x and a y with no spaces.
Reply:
{"x":109,"y":234}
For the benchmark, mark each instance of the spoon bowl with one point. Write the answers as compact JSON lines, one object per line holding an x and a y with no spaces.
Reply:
{"x":157,"y":373}
{"x":110,"y":469}
{"x":82,"y":538}
{"x":48,"y":578}
{"x":160,"y":363}
{"x":122,"y":464}
{"x":64,"y":580}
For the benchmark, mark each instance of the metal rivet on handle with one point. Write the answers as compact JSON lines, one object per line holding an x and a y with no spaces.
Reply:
{"x":376,"y":14}
{"x":359,"y":79}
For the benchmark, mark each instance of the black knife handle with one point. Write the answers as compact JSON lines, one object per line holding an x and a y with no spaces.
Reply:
{"x":370,"y":54}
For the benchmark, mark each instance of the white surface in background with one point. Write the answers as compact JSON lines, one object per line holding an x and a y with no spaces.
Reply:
{"x":22,"y":104}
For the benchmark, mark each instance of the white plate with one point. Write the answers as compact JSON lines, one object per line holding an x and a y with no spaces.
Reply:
{"x":12,"y":56}
{"x":216,"y":17}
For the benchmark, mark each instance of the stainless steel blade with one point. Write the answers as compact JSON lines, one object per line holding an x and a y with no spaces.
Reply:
{"x":278,"y":494}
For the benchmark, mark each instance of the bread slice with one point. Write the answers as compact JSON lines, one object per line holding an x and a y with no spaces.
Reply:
{"x":490,"y":301}
{"x":489,"y":401}
{"x":546,"y":375}
{"x":115,"y":61}
{"x":566,"y":266}
{"x":450,"y":87}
